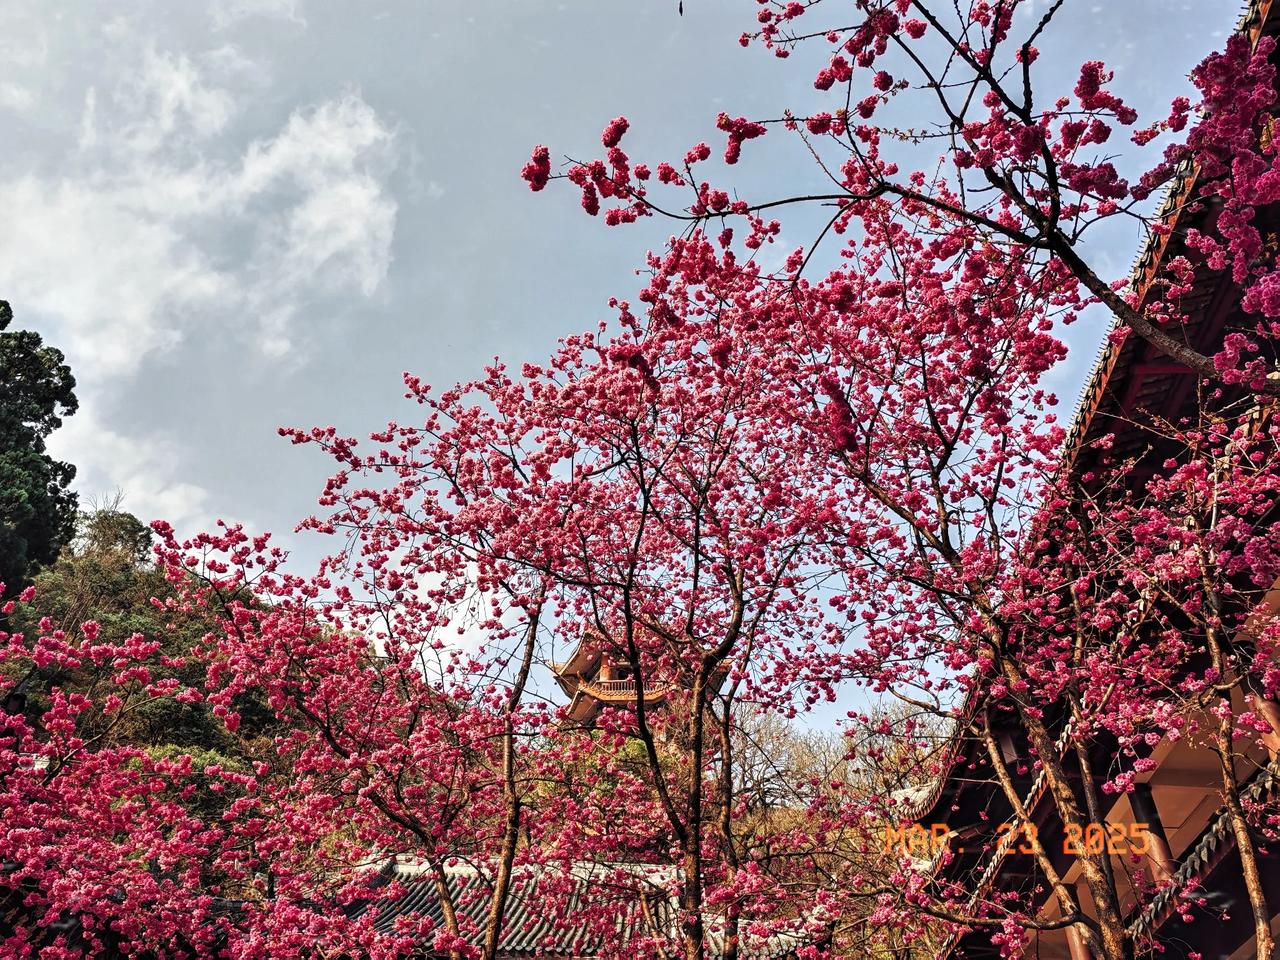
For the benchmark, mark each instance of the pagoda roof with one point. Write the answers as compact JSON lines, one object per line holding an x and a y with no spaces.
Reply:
{"x":543,"y":915}
{"x":1128,"y":381}
{"x":1131,"y":381}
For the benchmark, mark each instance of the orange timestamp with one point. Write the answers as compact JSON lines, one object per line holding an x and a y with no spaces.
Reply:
{"x":1115,"y":839}
{"x":915,"y":839}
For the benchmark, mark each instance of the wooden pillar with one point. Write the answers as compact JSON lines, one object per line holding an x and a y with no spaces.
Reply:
{"x":1077,"y":934}
{"x":1159,"y":856}
{"x":1269,"y":711}
{"x":1075,"y":943}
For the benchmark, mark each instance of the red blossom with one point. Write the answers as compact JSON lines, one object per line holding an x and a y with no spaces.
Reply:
{"x":538,"y":170}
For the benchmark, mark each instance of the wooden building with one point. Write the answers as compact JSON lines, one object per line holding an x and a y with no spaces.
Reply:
{"x":597,"y":676}
{"x":1174,"y":820}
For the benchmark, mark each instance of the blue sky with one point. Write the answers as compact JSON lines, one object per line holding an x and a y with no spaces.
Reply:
{"x":239,"y":214}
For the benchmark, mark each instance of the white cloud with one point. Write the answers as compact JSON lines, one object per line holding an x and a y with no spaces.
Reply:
{"x":142,"y":470}
{"x":24,"y":40}
{"x":167,"y":100}
{"x":88,"y":137}
{"x":113,"y":281}
{"x":16,"y":97}
{"x":337,"y":234}
{"x":162,"y":222}
{"x":154,"y":234}
{"x":24,"y":49}
{"x":228,"y":12}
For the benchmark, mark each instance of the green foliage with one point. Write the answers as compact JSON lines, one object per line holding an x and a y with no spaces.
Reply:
{"x":105,"y":575}
{"x":37,"y":508}
{"x":210,"y":798}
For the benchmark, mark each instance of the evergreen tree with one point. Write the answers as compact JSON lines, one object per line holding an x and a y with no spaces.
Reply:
{"x":37,"y":507}
{"x":105,"y":575}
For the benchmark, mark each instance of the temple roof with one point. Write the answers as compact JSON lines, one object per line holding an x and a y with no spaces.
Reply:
{"x":530,"y":929}
{"x":1130,"y":381}
{"x":544,"y":910}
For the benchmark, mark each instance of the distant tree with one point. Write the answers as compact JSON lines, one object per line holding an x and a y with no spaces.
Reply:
{"x":37,"y":508}
{"x":113,"y":768}
{"x":105,"y":575}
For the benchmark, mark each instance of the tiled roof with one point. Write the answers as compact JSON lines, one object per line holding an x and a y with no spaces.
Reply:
{"x":1115,"y":357}
{"x":544,"y":915}
{"x":532,"y":926}
{"x":1212,"y":842}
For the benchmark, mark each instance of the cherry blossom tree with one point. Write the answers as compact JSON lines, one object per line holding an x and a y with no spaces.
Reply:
{"x":633,"y":499}
{"x":758,"y":487}
{"x":1018,"y":169}
{"x":878,"y":502}
{"x":919,"y":368}
{"x":104,"y":843}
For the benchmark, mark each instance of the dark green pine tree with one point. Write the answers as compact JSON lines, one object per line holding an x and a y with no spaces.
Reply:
{"x":37,"y":507}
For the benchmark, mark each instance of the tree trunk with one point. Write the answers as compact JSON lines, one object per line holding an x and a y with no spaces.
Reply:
{"x":448,"y":912}
{"x":691,"y":896}
{"x":1114,"y":940}
{"x":1223,"y":746}
{"x":510,"y":799}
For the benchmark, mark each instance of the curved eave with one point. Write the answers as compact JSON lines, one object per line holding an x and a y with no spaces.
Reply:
{"x":1123,"y":362}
